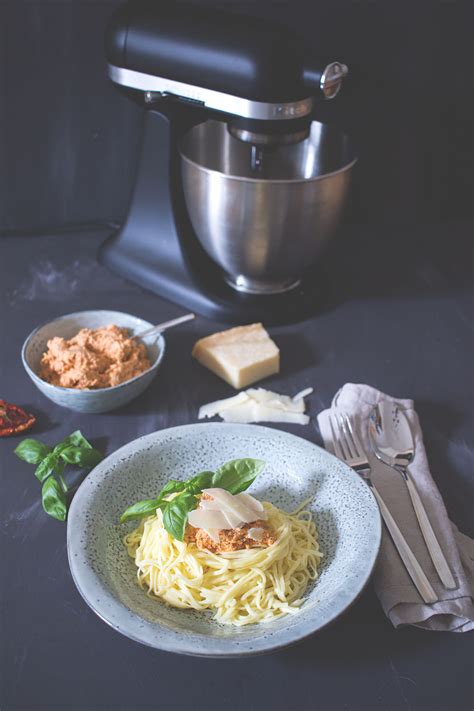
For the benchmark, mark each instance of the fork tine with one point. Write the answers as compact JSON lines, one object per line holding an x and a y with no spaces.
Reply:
{"x":346,"y":436}
{"x":335,"y":441}
{"x":341,"y":441}
{"x":357,"y":443}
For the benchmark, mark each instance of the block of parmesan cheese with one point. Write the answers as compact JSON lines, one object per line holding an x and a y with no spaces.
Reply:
{"x":240,"y":356}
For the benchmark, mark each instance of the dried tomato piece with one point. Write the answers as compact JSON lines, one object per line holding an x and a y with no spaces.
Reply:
{"x":14,"y":419}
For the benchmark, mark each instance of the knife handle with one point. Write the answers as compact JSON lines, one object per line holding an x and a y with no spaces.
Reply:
{"x":412,"y":565}
{"x":437,"y":555}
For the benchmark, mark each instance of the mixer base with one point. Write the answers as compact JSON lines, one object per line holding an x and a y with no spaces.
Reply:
{"x":206,"y":293}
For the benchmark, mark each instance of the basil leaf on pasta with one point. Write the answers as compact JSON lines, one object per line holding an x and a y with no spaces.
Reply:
{"x":199,"y":482}
{"x":175,"y":515}
{"x":149,"y":506}
{"x":237,"y":475}
{"x":32,"y":451}
{"x":171,"y":487}
{"x":54,"y":499}
{"x":141,"y":508}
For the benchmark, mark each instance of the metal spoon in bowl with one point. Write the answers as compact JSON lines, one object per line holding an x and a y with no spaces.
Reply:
{"x":393,"y":444}
{"x":159,"y":328}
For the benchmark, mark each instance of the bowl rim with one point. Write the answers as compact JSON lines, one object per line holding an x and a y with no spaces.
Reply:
{"x":247,"y":179}
{"x":240,"y":178}
{"x":113,"y":388}
{"x":183,"y":647}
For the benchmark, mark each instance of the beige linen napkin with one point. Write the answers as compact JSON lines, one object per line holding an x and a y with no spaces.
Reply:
{"x":399,"y":598}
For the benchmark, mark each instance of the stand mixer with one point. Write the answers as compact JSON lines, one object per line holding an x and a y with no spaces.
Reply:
{"x":237,"y":188}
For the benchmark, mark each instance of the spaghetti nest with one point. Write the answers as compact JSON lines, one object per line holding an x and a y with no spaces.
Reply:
{"x":242,"y":587}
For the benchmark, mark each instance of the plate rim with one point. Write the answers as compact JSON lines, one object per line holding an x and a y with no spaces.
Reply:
{"x":183,"y":647}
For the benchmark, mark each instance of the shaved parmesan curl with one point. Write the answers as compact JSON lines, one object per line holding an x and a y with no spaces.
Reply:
{"x":220,"y":510}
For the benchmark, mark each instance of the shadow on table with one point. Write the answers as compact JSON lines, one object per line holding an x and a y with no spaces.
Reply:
{"x":370,"y":261}
{"x":299,"y":354}
{"x":355,"y":638}
{"x":446,"y":439}
{"x":43,"y":423}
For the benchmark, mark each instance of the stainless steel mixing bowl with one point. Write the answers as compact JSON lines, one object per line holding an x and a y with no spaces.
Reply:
{"x":264,"y":226}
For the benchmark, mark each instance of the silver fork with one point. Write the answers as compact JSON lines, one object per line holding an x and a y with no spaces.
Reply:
{"x":347,"y":446}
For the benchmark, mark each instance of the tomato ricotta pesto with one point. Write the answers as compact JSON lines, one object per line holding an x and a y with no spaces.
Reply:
{"x":253,"y":534}
{"x":93,"y":358}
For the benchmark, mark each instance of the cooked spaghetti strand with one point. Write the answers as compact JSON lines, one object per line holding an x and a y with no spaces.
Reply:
{"x":241,"y":587}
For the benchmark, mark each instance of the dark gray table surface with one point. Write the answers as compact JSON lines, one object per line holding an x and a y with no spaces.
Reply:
{"x":404,"y":327}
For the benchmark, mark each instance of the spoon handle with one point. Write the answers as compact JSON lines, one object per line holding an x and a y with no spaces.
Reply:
{"x":432,"y":543}
{"x":163,"y":326}
{"x":414,"y":569}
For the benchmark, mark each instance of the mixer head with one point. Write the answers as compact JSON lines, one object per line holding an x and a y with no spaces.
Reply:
{"x":254,"y":72}
{"x":266,"y":134}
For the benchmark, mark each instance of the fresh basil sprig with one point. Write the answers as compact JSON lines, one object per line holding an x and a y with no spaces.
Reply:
{"x":74,"y":449}
{"x":237,"y":475}
{"x":234,"y":476}
{"x":175,"y":515}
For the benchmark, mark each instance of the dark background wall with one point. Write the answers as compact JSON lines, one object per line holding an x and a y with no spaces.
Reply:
{"x":68,"y":140}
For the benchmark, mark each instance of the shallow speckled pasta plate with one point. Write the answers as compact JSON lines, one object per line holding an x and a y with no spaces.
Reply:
{"x":344,"y":510}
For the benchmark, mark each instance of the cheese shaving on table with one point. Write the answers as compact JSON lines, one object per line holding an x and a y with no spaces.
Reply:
{"x":213,"y":408}
{"x":259,"y":405}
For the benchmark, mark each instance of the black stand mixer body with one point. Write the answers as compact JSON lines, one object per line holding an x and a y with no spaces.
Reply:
{"x":212,"y":62}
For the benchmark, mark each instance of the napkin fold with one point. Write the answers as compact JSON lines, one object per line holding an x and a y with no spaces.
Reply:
{"x":400,"y":599}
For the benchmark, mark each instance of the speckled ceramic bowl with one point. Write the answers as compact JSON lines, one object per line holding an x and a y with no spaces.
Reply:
{"x":104,"y":399}
{"x":344,"y":510}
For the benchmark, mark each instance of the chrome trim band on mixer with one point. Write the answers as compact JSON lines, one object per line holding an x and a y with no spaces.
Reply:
{"x":215,"y":100}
